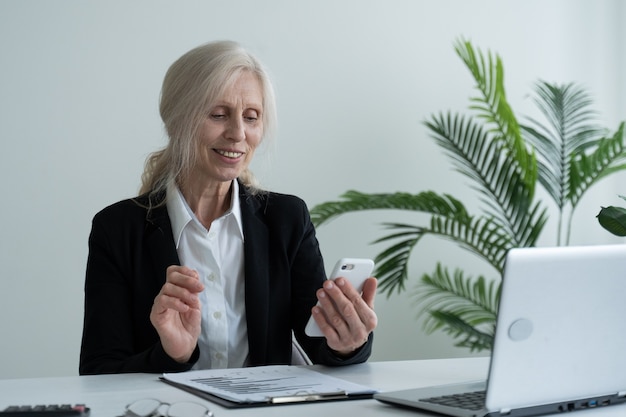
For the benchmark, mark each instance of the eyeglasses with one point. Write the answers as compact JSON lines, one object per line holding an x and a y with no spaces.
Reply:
{"x":149,"y":407}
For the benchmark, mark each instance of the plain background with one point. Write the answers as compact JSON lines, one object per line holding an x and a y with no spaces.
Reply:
{"x":355,"y":80}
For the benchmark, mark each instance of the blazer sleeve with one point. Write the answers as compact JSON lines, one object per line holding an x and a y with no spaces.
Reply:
{"x":307,"y":276}
{"x":120,"y":286}
{"x":316,"y":347}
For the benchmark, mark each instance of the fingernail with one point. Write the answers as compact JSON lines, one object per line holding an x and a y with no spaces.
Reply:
{"x":328,"y":284}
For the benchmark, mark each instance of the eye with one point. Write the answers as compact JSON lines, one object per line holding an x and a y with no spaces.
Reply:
{"x":218,"y":113}
{"x":251,"y":116}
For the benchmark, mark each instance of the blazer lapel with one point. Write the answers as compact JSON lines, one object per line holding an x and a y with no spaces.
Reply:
{"x":160,"y":240}
{"x":256,"y":274}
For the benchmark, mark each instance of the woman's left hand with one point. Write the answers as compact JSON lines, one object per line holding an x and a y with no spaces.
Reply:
{"x":346,"y":317}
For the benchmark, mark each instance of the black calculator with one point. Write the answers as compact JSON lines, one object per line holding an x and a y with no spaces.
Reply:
{"x":50,"y":410}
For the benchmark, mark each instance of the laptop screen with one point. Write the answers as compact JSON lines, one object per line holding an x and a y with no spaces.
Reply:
{"x":560,"y":330}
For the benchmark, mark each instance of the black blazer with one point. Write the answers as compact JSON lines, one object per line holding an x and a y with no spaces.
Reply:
{"x":130,"y":248}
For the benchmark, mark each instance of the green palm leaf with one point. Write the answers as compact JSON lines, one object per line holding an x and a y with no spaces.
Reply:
{"x":494,"y":108}
{"x":427,"y":201}
{"x":586,"y":170}
{"x":392,"y":263}
{"x":533,"y":226}
{"x":570,"y":130}
{"x":484,"y":160}
{"x":459,"y":306}
{"x":481,"y":236}
{"x":467,"y":336}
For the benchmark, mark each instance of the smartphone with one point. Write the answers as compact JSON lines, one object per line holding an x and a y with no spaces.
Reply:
{"x":355,"y":270}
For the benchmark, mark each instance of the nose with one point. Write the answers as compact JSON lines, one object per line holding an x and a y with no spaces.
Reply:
{"x":236,"y":129}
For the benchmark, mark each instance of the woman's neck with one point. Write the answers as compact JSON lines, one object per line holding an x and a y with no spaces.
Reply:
{"x":208,"y":202}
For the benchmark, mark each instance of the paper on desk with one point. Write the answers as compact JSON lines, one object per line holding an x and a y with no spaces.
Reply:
{"x":263,"y":383}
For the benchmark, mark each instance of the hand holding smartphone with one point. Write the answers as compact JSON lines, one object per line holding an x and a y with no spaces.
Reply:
{"x":355,"y":270}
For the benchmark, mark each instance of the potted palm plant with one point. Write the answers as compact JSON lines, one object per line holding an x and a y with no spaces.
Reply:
{"x":504,"y":161}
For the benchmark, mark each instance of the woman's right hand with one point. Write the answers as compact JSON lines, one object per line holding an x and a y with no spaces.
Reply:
{"x":176,"y":312}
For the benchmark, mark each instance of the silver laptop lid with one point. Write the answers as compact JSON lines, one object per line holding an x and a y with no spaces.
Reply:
{"x":561,"y":331}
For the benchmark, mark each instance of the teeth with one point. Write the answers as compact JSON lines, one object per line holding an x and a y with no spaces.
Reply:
{"x":230,"y":154}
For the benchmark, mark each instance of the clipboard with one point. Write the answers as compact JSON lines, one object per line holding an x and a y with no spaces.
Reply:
{"x":316,"y":384}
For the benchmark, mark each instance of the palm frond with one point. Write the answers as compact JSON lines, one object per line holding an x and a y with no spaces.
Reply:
{"x":474,"y":299}
{"x":532,"y":228}
{"x":571,"y":120}
{"x":483,"y":160}
{"x":392,"y":264}
{"x":480,"y":236}
{"x":570,"y":129}
{"x":427,"y":201}
{"x":586,"y":170}
{"x":494,"y":108}
{"x":458,"y":304}
{"x":466,"y":335}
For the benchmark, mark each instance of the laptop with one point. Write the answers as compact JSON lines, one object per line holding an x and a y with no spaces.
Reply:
{"x":560,"y":340}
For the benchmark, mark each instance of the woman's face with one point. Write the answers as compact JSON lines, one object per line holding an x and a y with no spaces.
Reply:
{"x":230,"y":132}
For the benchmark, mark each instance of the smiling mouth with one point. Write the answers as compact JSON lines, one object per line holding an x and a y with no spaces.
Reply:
{"x":229,"y":154}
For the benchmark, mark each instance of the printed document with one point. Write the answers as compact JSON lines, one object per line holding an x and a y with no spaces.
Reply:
{"x":269,"y":384}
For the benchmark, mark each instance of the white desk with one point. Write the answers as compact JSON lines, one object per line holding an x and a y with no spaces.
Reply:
{"x":107,"y":395}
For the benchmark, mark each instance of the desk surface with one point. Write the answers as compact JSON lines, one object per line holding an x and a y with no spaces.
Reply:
{"x":107,"y":395}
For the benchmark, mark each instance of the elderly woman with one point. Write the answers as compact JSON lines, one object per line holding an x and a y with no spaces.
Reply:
{"x":204,"y":269}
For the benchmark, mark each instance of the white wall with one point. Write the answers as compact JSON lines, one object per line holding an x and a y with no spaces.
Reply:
{"x":79,"y":86}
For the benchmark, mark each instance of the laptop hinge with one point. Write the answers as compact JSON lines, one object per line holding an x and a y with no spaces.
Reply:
{"x":505,"y":411}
